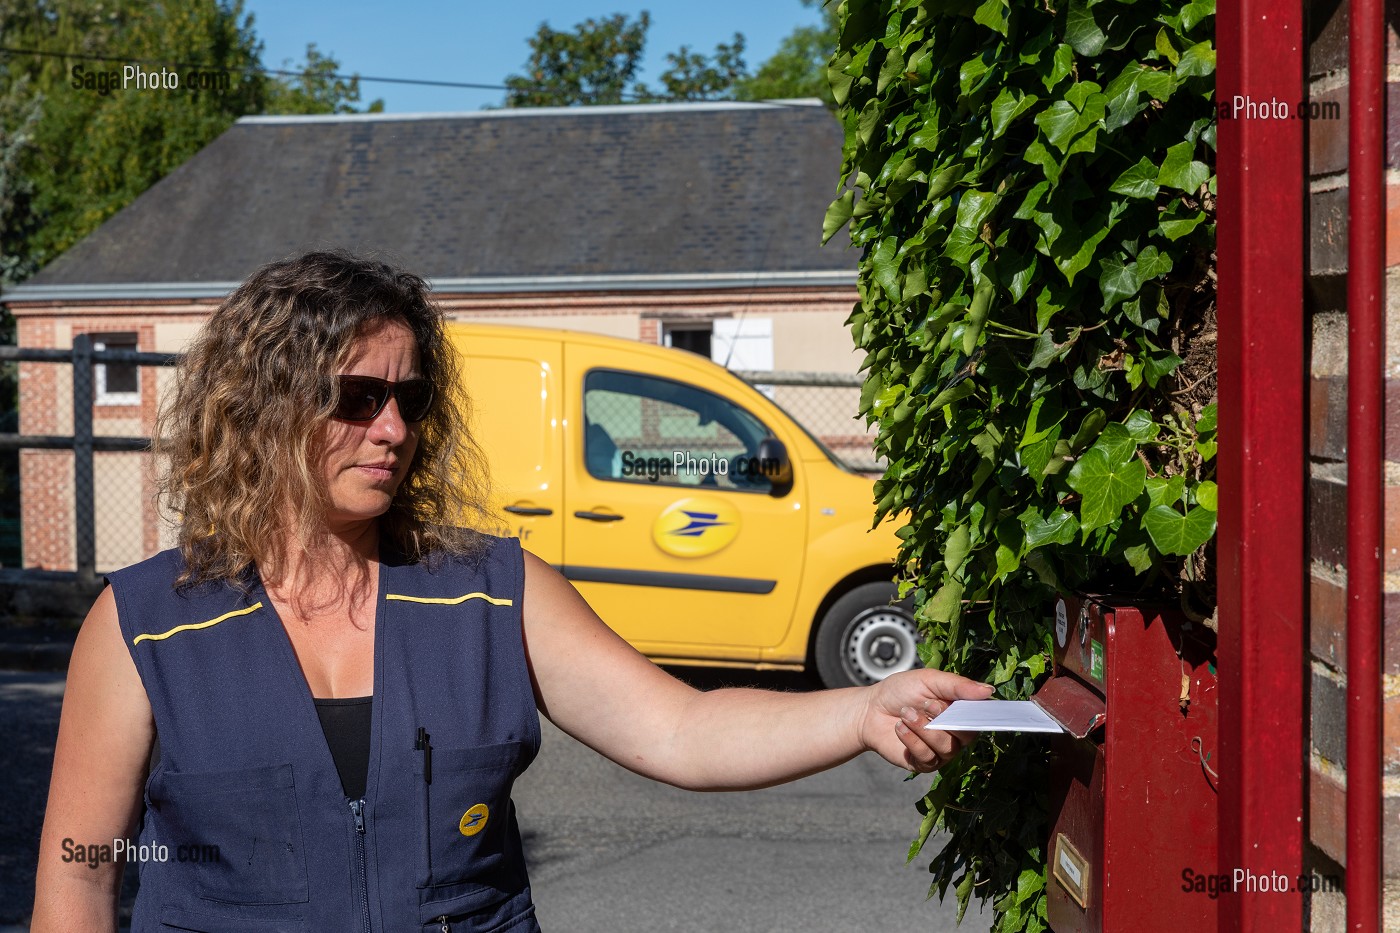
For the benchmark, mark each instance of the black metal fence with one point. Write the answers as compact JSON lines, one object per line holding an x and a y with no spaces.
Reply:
{"x":826,"y":405}
{"x":84,"y":444}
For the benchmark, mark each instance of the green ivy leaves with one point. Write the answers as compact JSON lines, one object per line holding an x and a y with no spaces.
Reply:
{"x":1139,"y":181}
{"x":1181,"y":171}
{"x":1082,"y":30}
{"x":1175,"y":533}
{"x":1030,"y":186}
{"x":1107,"y":486}
{"x":838,"y":215}
{"x":1111,"y":477}
{"x":1009,"y":105}
{"x":1120,"y":279}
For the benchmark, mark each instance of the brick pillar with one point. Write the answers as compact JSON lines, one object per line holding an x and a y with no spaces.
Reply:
{"x":1326,"y":304}
{"x":45,"y":476}
{"x":150,"y":396}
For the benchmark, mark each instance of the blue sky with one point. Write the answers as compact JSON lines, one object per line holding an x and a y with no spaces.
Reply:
{"x":472,"y":41}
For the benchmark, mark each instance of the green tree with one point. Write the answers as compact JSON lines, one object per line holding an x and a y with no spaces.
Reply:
{"x":71,"y":157}
{"x":593,"y":64}
{"x":19,"y":116}
{"x":597,"y":63}
{"x":316,"y":89}
{"x":693,"y":76}
{"x":798,"y":67}
{"x":93,"y":152}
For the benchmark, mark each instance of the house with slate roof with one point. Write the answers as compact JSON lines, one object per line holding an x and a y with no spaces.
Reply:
{"x":692,"y":225}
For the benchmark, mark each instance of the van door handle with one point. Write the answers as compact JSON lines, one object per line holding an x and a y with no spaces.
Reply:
{"x":522,"y":510}
{"x":599,"y":516}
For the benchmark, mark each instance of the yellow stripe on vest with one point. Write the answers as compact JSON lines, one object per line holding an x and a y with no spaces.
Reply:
{"x":451,"y":600}
{"x":195,"y":625}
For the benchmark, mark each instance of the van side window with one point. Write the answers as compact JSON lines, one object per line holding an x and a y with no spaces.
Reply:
{"x":642,"y":429}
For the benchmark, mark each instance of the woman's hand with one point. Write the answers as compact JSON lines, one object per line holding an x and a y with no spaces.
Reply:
{"x":898,"y":707}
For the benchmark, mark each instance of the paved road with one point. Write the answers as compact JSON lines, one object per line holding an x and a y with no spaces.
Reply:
{"x":613,"y":852}
{"x":29,"y":705}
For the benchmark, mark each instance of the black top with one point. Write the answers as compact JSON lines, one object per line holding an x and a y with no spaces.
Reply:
{"x":346,"y":723}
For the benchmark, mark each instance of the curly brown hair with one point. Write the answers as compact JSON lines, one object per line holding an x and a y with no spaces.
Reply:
{"x":241,"y":429}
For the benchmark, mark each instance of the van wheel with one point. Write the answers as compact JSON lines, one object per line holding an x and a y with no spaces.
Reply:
{"x":864,"y":638}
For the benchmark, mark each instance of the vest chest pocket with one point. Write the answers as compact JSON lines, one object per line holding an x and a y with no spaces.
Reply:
{"x":466,"y":820}
{"x":250,"y":818}
{"x":173,"y":918}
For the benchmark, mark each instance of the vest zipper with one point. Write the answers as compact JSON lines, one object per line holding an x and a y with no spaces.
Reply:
{"x":357,"y":807}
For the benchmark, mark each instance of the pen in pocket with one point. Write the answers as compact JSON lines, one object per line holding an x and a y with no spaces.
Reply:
{"x":422,"y":744}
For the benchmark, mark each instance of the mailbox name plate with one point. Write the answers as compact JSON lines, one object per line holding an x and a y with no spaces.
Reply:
{"x":1071,"y":870}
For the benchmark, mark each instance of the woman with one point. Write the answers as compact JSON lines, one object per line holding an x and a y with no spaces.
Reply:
{"x":332,"y":686}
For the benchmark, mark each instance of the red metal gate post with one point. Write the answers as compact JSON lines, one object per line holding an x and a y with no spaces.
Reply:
{"x":1365,"y":427}
{"x":1262,"y":563}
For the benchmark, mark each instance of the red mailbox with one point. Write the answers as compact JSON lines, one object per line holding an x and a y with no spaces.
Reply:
{"x":1133,"y":784}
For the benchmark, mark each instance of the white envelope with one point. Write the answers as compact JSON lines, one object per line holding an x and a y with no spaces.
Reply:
{"x":995,"y":716}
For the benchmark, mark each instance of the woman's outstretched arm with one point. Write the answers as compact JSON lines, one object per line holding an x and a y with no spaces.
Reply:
{"x":104,"y":745}
{"x":600,"y":690}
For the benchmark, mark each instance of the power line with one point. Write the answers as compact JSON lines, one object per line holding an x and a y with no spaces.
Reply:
{"x":258,"y":71}
{"x":423,"y":82}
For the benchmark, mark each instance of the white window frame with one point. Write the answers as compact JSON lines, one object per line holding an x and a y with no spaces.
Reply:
{"x":129,"y":341}
{"x":669,"y":328}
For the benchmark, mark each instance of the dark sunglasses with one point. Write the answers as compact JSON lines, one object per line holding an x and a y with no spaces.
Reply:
{"x":362,"y":398}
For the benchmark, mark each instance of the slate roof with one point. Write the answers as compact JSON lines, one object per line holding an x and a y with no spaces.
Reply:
{"x":601,"y":191}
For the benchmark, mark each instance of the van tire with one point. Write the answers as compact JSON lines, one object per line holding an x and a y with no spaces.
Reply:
{"x":865,"y":636}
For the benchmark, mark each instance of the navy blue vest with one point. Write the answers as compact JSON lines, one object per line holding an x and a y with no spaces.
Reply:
{"x":244,"y":765}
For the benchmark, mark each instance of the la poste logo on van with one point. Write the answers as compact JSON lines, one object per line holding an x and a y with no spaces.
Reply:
{"x":696,"y":527}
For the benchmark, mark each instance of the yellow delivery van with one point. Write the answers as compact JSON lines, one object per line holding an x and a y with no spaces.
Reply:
{"x":701,"y":522}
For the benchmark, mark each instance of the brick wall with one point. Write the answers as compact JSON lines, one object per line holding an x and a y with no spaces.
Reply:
{"x":1326,"y":306}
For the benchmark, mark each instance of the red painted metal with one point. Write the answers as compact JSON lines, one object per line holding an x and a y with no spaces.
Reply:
{"x":1260,"y":547}
{"x":1133,"y":846}
{"x":1365,"y":427}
